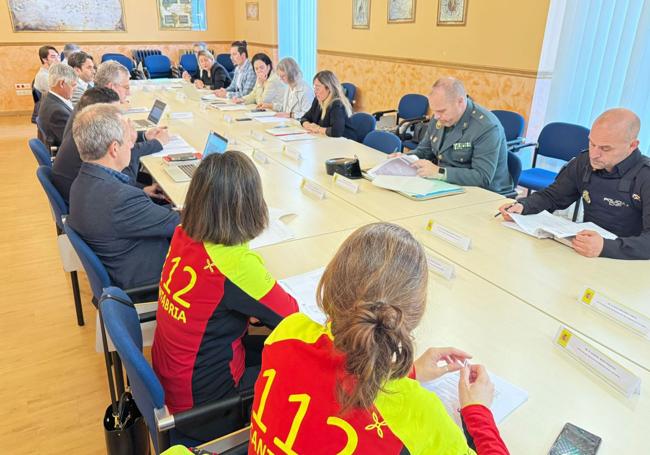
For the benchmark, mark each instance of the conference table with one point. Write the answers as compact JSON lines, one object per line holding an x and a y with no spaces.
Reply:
{"x":508,"y":296}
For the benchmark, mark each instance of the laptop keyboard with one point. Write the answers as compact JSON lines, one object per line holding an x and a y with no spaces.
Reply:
{"x":188,"y":169}
{"x":142,"y":123}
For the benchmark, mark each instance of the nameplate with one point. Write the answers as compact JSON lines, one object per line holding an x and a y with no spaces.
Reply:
{"x":440,"y":267}
{"x":227,"y":118}
{"x":180,"y":96}
{"x":449,"y":235}
{"x":291,"y":153}
{"x":257,"y":135}
{"x":599,"y":363}
{"x":260,"y":157}
{"x":180,"y":115}
{"x":313,"y":188}
{"x":345,"y":183}
{"x":616,"y":311}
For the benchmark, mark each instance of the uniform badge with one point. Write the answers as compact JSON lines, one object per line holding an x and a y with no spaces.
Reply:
{"x":435,"y":139}
{"x":465,"y":125}
{"x":636,"y":197}
{"x":586,"y":197}
{"x":438,"y":124}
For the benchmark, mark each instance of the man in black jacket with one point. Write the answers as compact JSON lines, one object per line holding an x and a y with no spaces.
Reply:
{"x":56,"y":107}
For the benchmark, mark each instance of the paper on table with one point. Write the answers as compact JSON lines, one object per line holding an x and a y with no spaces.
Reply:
{"x":267,"y":113}
{"x":272,"y":119}
{"x":555,"y":225}
{"x":297,"y":137}
{"x":400,"y":165}
{"x":275,"y":232}
{"x":175,"y":146}
{"x":137,"y":110}
{"x":285,"y":130}
{"x":230,"y":107}
{"x":212,"y":97}
{"x":507,"y":397}
{"x":303,"y":289}
{"x":415,"y":186}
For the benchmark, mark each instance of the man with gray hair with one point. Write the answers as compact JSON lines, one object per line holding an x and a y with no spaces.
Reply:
{"x":465,"y":143}
{"x":68,"y":50}
{"x":613,"y":180}
{"x":55,"y":109}
{"x":121,"y":224}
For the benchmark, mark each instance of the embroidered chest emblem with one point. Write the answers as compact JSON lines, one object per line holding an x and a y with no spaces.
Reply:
{"x":377,"y":425}
{"x":615,"y":202}
{"x":636,"y":197}
{"x":438,"y":125}
{"x":462,"y":145}
{"x":586,"y":197}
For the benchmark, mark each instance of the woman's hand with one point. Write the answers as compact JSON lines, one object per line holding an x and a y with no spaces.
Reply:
{"x":474,"y":386}
{"x":199,"y":84}
{"x":426,"y":366}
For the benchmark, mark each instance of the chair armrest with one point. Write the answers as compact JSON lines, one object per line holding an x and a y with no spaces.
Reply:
{"x":516,"y":148}
{"x":377,"y":115}
{"x":140,"y":290}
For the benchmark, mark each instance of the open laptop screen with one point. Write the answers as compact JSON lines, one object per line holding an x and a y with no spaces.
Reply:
{"x":156,"y":112}
{"x":215,"y":144}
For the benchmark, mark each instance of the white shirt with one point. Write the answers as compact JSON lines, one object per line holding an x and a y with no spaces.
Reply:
{"x":40,"y":81}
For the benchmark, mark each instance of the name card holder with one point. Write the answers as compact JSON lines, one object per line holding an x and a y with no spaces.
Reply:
{"x":597,"y":362}
{"x":313,"y":188}
{"x":180,"y":96}
{"x":181,"y":115}
{"x":260,"y":157}
{"x":345,"y":183}
{"x":449,"y":235}
{"x":627,"y":317}
{"x":443,"y":268}
{"x":291,"y":153}
{"x":257,"y":135}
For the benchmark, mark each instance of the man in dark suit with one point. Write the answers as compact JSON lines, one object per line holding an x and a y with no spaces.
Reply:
{"x":56,"y":107}
{"x":67,"y":163}
{"x":128,"y":232}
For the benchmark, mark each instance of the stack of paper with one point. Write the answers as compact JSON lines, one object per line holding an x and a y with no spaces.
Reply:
{"x":546,"y":225}
{"x":275,"y":232}
{"x":303,"y":289}
{"x":400,"y":165}
{"x":175,"y":146}
{"x":416,"y":187}
{"x":507,"y":397}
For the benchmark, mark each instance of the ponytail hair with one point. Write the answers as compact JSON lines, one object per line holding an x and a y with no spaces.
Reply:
{"x":374,"y":292}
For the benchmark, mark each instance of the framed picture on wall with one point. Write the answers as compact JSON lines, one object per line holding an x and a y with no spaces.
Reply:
{"x":360,"y":13}
{"x":401,"y":11}
{"x":181,"y":15}
{"x":252,"y":11}
{"x":67,"y":16}
{"x":452,"y":12}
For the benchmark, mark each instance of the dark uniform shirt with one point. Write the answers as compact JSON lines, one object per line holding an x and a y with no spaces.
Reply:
{"x":473,"y":151}
{"x":618,"y":201}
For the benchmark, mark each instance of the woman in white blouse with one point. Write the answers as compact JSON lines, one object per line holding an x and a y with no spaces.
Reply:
{"x":268,"y":87}
{"x":299,"y":95}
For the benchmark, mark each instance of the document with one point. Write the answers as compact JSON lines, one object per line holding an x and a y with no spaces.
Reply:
{"x":175,"y":146}
{"x":303,"y":289}
{"x":275,"y":232}
{"x":212,"y":97}
{"x":230,"y":107}
{"x":400,"y":165}
{"x":285,"y":130}
{"x":297,"y":137}
{"x":273,"y":119}
{"x":266,"y":113}
{"x":137,"y":110}
{"x":416,"y":187}
{"x":546,"y":225}
{"x":507,"y":397}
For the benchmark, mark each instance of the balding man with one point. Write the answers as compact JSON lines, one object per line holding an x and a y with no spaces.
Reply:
{"x":55,"y":109}
{"x":128,"y":232}
{"x":613,"y":180}
{"x":465,"y":143}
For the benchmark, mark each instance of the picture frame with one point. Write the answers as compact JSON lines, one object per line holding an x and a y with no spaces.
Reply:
{"x":252,"y":11}
{"x":28,"y":16}
{"x":401,"y":11}
{"x":361,"y":14}
{"x":452,"y":12}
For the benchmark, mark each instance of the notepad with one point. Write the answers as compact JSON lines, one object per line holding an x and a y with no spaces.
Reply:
{"x":400,"y":165}
{"x":286,"y":130}
{"x":275,"y":232}
{"x":416,"y":187}
{"x":507,"y":397}
{"x":303,"y":289}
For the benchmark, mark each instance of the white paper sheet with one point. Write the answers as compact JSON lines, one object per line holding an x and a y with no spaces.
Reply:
{"x":175,"y":146}
{"x":286,"y":130}
{"x":303,"y":289}
{"x":297,"y":137}
{"x":415,"y":186}
{"x":275,"y":232}
{"x":400,"y":165}
{"x":507,"y":397}
{"x":272,"y":119}
{"x":267,"y":113}
{"x":545,"y":222}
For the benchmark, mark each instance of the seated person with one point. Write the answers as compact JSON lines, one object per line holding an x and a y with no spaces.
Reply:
{"x":613,"y":180}
{"x":268,"y":88}
{"x":48,"y":56}
{"x":354,"y":383}
{"x":196,"y":48}
{"x":244,"y":78}
{"x":299,"y":94}
{"x":84,"y":66}
{"x":68,"y":50}
{"x":119,"y":222}
{"x":66,"y":166}
{"x":465,"y":143}
{"x":201,"y":350}
{"x":55,"y":109}
{"x":211,"y":75}
{"x":330,"y":111}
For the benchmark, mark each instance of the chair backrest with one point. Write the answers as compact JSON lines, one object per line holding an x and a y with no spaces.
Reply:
{"x":95,"y":270}
{"x":59,"y":207}
{"x":123,"y":326}
{"x":383,"y":141}
{"x":350,"y":91}
{"x":40,"y":152}
{"x":514,"y":167}
{"x":120,"y":58}
{"x":512,"y":122}
{"x":562,"y":141}
{"x":158,"y":65}
{"x":363,"y":124}
{"x":412,"y":106}
{"x":189,"y":63}
{"x":140,"y":54}
{"x":225,"y":61}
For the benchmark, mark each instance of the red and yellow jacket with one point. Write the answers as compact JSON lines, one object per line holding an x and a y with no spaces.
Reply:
{"x":207,"y":294}
{"x":295,"y":410}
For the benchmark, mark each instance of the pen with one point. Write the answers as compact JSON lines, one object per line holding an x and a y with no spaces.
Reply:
{"x":511,"y":205}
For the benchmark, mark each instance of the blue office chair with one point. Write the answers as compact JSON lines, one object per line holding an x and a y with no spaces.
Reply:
{"x":513,"y":124}
{"x":350,"y":91}
{"x":41,"y":153}
{"x":36,"y":97}
{"x":159,"y":66}
{"x":225,"y":61}
{"x":120,"y":58}
{"x":190,"y":64}
{"x":122,"y":323}
{"x":562,"y":141}
{"x":411,"y":110}
{"x":60,"y":211}
{"x":383,"y":141}
{"x":363,"y":124}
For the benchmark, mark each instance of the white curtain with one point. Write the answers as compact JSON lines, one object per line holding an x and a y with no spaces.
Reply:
{"x":297,"y":33}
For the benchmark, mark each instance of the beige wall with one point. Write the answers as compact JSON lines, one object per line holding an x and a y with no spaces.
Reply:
{"x":264,"y":30}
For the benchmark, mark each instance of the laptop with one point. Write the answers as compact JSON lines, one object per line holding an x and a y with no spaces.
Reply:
{"x":154,"y":116}
{"x":215,"y":143}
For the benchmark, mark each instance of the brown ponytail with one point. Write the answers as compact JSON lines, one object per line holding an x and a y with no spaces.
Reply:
{"x":374,"y":292}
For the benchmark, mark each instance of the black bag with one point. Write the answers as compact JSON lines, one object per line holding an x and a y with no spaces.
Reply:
{"x":125,"y":430}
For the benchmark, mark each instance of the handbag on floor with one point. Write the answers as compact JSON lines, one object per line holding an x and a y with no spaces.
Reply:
{"x":125,"y":430}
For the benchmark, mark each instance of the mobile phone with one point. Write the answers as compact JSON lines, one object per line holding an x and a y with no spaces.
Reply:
{"x":243,"y":119}
{"x":573,"y":440}
{"x":182,"y":157}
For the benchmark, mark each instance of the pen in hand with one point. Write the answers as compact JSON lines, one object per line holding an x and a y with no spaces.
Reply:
{"x":499,"y":213}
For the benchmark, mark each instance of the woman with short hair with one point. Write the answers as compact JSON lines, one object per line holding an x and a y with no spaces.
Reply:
{"x":299,"y":94}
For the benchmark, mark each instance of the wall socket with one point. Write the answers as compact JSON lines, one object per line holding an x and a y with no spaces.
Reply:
{"x":23,"y":86}
{"x":24,"y":92}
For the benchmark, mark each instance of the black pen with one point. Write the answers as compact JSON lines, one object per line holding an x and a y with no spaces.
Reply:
{"x":511,"y":205}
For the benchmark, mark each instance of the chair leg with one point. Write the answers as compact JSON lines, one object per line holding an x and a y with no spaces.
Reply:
{"x":77,"y":298}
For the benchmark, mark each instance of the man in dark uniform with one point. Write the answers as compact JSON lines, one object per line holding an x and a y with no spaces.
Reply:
{"x":465,"y":143}
{"x":613,"y":180}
